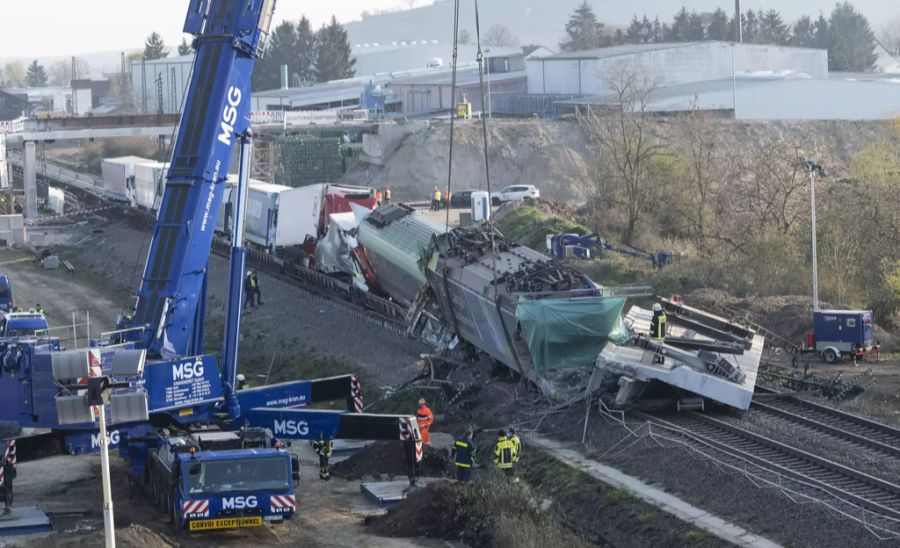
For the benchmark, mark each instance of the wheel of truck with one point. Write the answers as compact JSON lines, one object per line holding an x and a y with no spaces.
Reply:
{"x":830,"y":355}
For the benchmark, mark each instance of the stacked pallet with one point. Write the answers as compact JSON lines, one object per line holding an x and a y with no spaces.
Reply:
{"x":305,"y":160}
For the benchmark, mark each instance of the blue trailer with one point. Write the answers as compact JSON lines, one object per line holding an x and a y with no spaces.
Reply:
{"x":840,"y":333}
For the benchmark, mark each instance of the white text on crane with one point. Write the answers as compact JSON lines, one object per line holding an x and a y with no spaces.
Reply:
{"x":229,"y":115}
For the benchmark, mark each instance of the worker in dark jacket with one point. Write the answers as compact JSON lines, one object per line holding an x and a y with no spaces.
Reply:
{"x":248,"y":289}
{"x":464,"y":451}
{"x":504,"y":454}
{"x":658,"y":323}
{"x":254,"y":286}
{"x":323,"y":448}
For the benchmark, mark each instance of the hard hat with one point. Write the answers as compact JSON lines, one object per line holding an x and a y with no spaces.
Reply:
{"x":241,"y":377}
{"x":657,"y":307}
{"x":421,"y":402}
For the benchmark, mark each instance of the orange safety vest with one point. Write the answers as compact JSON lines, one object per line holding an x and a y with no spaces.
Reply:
{"x":378,"y":196}
{"x":387,"y":194}
{"x":425,"y":418}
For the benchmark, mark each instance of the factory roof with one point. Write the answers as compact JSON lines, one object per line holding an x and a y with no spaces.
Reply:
{"x":631,"y":49}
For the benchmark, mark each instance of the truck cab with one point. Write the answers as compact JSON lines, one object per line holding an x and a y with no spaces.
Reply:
{"x":840,"y":333}
{"x":21,"y":324}
{"x":222,"y":480}
{"x":6,"y":296}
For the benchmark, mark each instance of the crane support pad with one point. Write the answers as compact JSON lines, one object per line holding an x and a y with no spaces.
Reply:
{"x":24,"y":520}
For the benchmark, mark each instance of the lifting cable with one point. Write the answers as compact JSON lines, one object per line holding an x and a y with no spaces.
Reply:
{"x":452,"y":104}
{"x":487,"y":166}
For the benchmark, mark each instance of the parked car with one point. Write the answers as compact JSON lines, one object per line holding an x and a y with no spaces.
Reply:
{"x":516,"y":193}
{"x":461,"y":198}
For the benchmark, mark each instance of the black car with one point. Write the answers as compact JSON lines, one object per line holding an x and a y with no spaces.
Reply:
{"x":461,"y":198}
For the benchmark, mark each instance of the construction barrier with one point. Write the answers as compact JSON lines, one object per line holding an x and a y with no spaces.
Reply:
{"x":12,"y":126}
{"x":267,"y":117}
{"x":310,"y":117}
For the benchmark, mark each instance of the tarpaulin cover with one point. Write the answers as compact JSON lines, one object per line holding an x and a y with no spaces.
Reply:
{"x":566,"y":333}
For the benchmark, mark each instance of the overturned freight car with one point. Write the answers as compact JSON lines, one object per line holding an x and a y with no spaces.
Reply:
{"x":524,"y":309}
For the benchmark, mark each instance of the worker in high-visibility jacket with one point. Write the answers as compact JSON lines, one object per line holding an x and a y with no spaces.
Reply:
{"x":517,"y":444}
{"x":436,"y":198}
{"x":425,"y":419}
{"x":658,"y":323}
{"x":464,"y":451}
{"x":323,"y":448}
{"x":505,"y":454}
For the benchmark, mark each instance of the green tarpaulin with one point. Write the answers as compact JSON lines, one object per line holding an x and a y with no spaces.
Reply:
{"x":565,"y":333}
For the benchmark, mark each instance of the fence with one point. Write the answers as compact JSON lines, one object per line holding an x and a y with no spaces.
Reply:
{"x":517,"y":104}
{"x":306,"y":160}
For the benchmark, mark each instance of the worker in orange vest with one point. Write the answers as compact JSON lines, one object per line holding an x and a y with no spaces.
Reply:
{"x":387,"y":194}
{"x":426,"y":419}
{"x":378,"y":197}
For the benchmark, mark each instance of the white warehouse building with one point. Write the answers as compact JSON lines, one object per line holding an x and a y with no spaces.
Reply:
{"x":743,"y":81}
{"x":587,"y":72}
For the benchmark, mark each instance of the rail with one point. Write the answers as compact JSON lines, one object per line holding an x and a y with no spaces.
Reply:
{"x":841,"y":482}
{"x":853,"y":428}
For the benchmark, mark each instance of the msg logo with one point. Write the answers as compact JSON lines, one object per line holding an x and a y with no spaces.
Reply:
{"x":111,"y":439}
{"x":188,"y":370}
{"x":292,"y":428}
{"x":239,"y":503}
{"x":230,"y":115}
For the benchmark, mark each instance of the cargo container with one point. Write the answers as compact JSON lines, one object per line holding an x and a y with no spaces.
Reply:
{"x":280,"y":217}
{"x":56,"y":200}
{"x":118,"y":176}
{"x":149,"y":182}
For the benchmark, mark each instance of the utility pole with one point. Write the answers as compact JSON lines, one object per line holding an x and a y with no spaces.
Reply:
{"x":738,"y":30}
{"x":812,"y":168}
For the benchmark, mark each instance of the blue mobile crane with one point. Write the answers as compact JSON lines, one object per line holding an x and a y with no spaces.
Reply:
{"x":210,"y":456}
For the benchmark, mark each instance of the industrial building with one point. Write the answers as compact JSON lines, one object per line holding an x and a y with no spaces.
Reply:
{"x":744,"y":81}
{"x":590,"y":72}
{"x":158,"y":86}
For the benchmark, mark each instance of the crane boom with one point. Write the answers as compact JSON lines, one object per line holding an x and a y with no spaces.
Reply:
{"x":230,"y":35}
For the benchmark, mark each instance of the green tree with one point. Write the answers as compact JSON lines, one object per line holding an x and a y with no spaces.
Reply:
{"x":852,"y":42}
{"x":305,"y":51}
{"x":584,"y":30}
{"x":640,"y":31}
{"x":719,"y":29}
{"x":36,"y":76}
{"x":184,"y":48}
{"x":154,"y":47}
{"x":333,"y":61}
{"x":803,"y":35}
{"x":680,"y":31}
{"x":267,"y":74}
{"x":772,"y":29}
{"x":750,"y":27}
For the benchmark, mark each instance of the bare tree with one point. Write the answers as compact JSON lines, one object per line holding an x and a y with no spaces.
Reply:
{"x":628,"y":150}
{"x":499,"y":36}
{"x":15,"y":74}
{"x":890,"y":36}
{"x":699,"y":134}
{"x":61,"y":71}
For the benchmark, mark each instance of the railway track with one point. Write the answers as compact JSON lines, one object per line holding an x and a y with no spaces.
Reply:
{"x":846,"y":426}
{"x":841,"y":482}
{"x":366,"y":306}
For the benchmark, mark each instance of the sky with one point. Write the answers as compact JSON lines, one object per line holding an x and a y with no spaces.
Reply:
{"x":41,"y":28}
{"x":50,"y":28}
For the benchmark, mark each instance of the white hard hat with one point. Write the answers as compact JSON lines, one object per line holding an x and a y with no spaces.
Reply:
{"x":241,"y":377}
{"x":657,"y":307}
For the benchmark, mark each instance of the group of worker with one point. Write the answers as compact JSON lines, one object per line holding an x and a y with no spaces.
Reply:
{"x":36,"y":309}
{"x":440,"y":200}
{"x":383,"y":197}
{"x":251,"y":289}
{"x":507,"y":453}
